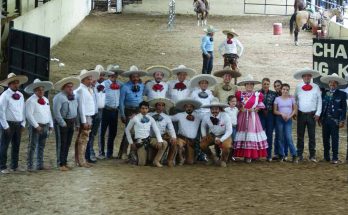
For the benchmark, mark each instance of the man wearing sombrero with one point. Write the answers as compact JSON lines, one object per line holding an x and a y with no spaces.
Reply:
{"x":207,"y":47}
{"x":12,"y":119}
{"x":308,"y":98}
{"x":333,"y":115}
{"x":38,"y":114}
{"x":231,"y":49}
{"x":166,"y":128}
{"x":86,"y":108}
{"x":223,"y":90}
{"x":188,"y":122}
{"x":65,"y":115}
{"x":219,"y":127}
{"x":157,"y":88}
{"x":130,"y":98}
{"x":110,"y":112}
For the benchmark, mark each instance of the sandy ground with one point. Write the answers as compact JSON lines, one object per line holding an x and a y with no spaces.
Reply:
{"x":111,"y":187}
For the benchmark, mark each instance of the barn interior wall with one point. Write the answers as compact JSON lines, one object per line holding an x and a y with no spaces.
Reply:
{"x":54,"y":19}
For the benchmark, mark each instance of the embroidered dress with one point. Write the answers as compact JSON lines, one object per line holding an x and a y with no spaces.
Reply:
{"x":251,"y":140}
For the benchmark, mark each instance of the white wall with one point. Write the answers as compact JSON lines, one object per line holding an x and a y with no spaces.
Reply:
{"x":27,"y":5}
{"x":54,"y":19}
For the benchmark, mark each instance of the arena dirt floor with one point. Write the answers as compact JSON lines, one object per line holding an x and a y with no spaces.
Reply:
{"x":112,"y":187}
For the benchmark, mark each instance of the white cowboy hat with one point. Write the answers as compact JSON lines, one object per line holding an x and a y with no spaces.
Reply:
{"x":210,"y":29}
{"x":168,"y":103}
{"x":180,"y":105}
{"x":47,"y":85}
{"x":215,"y":103}
{"x":298,"y":75}
{"x":181,"y":68}
{"x":115,"y":69}
{"x":227,"y":70}
{"x":74,"y":80}
{"x":1,"y":89}
{"x":197,"y":78}
{"x":248,"y":79}
{"x":13,"y":77}
{"x":333,"y":77}
{"x":231,"y":31}
{"x":165,"y":70}
{"x":85,"y":73}
{"x":101,"y":70}
{"x":134,"y":70}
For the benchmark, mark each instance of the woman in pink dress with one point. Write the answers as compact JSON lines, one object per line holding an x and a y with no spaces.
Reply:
{"x":251,"y":140}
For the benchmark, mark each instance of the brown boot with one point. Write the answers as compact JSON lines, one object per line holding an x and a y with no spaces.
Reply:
{"x":157,"y":164}
{"x":63,"y":168}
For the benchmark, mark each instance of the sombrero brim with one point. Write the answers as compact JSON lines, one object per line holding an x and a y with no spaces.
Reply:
{"x":221,"y":73}
{"x":206,"y":30}
{"x":221,"y":105}
{"x":169,"y":104}
{"x":242,"y":83}
{"x":181,"y":104}
{"x":128,"y":73}
{"x":298,"y":75}
{"x":165,"y":70}
{"x":1,"y":89}
{"x":107,"y":73}
{"x":47,"y":85}
{"x":93,"y":73}
{"x":190,"y":72}
{"x":74,"y":80}
{"x":195,"y":80}
{"x":229,"y":32}
{"x":21,"y":78}
{"x":327,"y":79}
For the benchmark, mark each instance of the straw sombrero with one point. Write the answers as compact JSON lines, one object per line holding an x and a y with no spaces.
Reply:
{"x":134,"y":70}
{"x":180,"y":105}
{"x":47,"y":85}
{"x":298,"y":75}
{"x":197,"y":78}
{"x":215,"y":103}
{"x":248,"y":79}
{"x":1,"y":89}
{"x":13,"y":77}
{"x":74,"y":80}
{"x":231,"y":31}
{"x":181,"y":68}
{"x":210,"y":29}
{"x":101,"y":70}
{"x":85,"y":73}
{"x":333,"y":77}
{"x":168,"y":103}
{"x":165,"y":70}
{"x":227,"y":70}
{"x":115,"y":69}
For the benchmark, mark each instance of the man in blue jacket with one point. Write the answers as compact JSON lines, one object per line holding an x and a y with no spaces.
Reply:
{"x":207,"y":47}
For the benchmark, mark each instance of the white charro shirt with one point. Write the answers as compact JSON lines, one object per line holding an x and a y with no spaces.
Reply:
{"x":225,"y":48}
{"x":187,"y":128}
{"x":11,"y":109}
{"x":150,"y":93}
{"x":176,"y":95}
{"x":100,"y":96}
{"x":204,"y":101}
{"x":37,"y":113}
{"x":142,"y":130}
{"x":232,"y":113}
{"x":223,"y":129}
{"x":165,"y":125}
{"x":86,"y":102}
{"x":309,"y":101}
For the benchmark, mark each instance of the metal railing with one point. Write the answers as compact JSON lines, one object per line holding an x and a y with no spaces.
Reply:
{"x":266,"y":4}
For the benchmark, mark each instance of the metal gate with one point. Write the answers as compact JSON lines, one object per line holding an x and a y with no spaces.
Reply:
{"x":29,"y":54}
{"x":269,"y":7}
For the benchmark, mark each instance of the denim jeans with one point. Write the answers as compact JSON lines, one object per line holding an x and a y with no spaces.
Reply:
{"x":37,"y":142}
{"x":96,"y":119}
{"x":13,"y":137}
{"x":267,"y":122}
{"x":207,"y":63}
{"x":330,"y":130}
{"x":234,"y":132}
{"x":109,"y":121}
{"x":285,"y":134}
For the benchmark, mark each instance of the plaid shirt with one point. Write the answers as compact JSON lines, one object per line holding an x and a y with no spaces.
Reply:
{"x":268,"y":99}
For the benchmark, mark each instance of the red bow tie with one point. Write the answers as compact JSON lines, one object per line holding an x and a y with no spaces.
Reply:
{"x":307,"y":87}
{"x":114,"y":86}
{"x":229,"y":41}
{"x":180,"y":86}
{"x":100,"y":88}
{"x":41,"y":101}
{"x":190,"y":117}
{"x":157,"y":87}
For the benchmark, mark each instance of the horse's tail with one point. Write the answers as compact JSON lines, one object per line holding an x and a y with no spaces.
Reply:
{"x":292,"y":20}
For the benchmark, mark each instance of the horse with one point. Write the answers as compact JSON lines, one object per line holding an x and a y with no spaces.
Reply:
{"x":299,"y":5}
{"x":303,"y":17}
{"x":201,"y":7}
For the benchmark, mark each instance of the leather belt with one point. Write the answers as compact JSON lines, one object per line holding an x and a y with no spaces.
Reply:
{"x":185,"y":138}
{"x":307,"y":113}
{"x":111,"y":109}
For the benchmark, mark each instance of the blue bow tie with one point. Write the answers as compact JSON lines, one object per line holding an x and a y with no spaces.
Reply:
{"x":144,"y":119}
{"x":157,"y":117}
